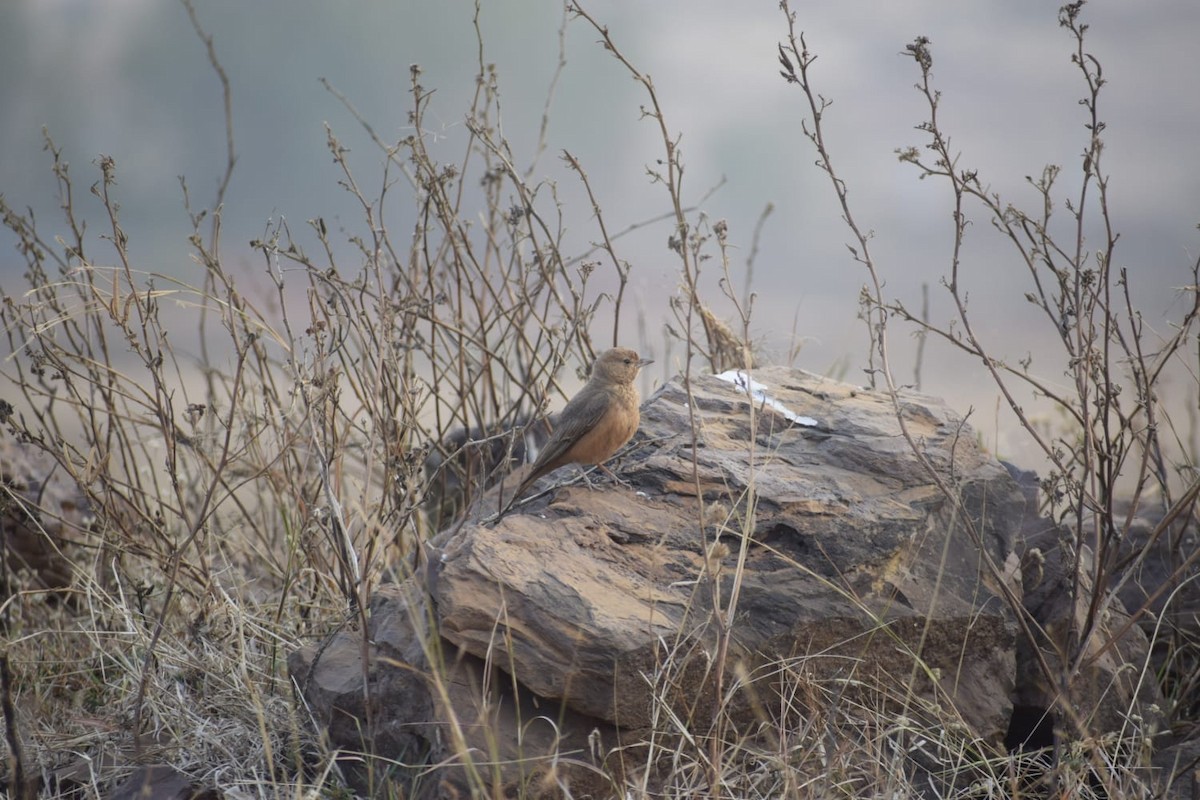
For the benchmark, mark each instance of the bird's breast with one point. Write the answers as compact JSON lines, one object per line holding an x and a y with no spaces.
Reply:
{"x":611,"y":432}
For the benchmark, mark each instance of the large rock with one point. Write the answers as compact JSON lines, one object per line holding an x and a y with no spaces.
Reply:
{"x":1102,"y":677}
{"x":441,"y":721}
{"x":856,"y":560}
{"x":848,"y":562}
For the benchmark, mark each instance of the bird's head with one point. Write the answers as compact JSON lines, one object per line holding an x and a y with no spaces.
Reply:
{"x":618,"y":365}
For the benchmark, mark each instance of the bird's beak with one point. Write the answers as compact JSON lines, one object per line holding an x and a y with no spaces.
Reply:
{"x":645,"y":362}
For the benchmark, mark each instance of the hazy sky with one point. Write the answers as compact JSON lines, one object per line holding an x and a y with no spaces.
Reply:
{"x":128,"y":78}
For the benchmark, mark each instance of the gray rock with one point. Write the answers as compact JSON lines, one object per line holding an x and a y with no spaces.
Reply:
{"x":1111,"y":685}
{"x":420,"y":703}
{"x":596,"y":604}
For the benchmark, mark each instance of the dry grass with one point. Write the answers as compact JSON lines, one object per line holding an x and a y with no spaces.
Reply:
{"x":247,"y":493}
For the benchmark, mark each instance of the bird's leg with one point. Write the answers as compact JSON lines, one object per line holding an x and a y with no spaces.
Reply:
{"x":583,"y":474}
{"x":617,"y":479}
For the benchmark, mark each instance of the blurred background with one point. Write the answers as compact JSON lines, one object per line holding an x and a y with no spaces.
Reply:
{"x":130,"y":79}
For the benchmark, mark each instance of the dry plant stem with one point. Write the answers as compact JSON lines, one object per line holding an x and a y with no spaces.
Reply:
{"x":559,"y":67}
{"x":1074,"y":310}
{"x":1081,"y":307}
{"x":673,"y":177}
{"x":814,"y":132}
{"x":922,"y":333}
{"x":536,"y":226}
{"x":349,"y":575}
{"x":1032,"y":240}
{"x":473,"y":286}
{"x":1183,"y":507}
{"x":752,"y":258}
{"x":226,"y":104}
{"x":649,"y":221}
{"x":222,"y":186}
{"x":391,"y":152}
{"x":445,"y":210}
{"x":687,"y":244}
{"x":621,"y":268}
{"x":319,"y":397}
{"x":321,"y":423}
{"x":23,"y":785}
{"x":726,"y":614}
{"x":213,"y":270}
{"x":137,"y":314}
{"x":195,"y":525}
{"x":796,"y":60}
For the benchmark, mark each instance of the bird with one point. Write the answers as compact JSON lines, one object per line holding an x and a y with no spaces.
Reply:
{"x":597,"y":421}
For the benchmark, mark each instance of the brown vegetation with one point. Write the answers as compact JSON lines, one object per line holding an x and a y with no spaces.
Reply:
{"x":243,"y":506}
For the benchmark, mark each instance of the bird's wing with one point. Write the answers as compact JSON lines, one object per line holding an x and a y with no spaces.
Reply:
{"x":582,"y":413}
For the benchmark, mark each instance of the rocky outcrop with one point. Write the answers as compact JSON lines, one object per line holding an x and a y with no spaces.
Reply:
{"x":1101,"y":675}
{"x":786,"y":530}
